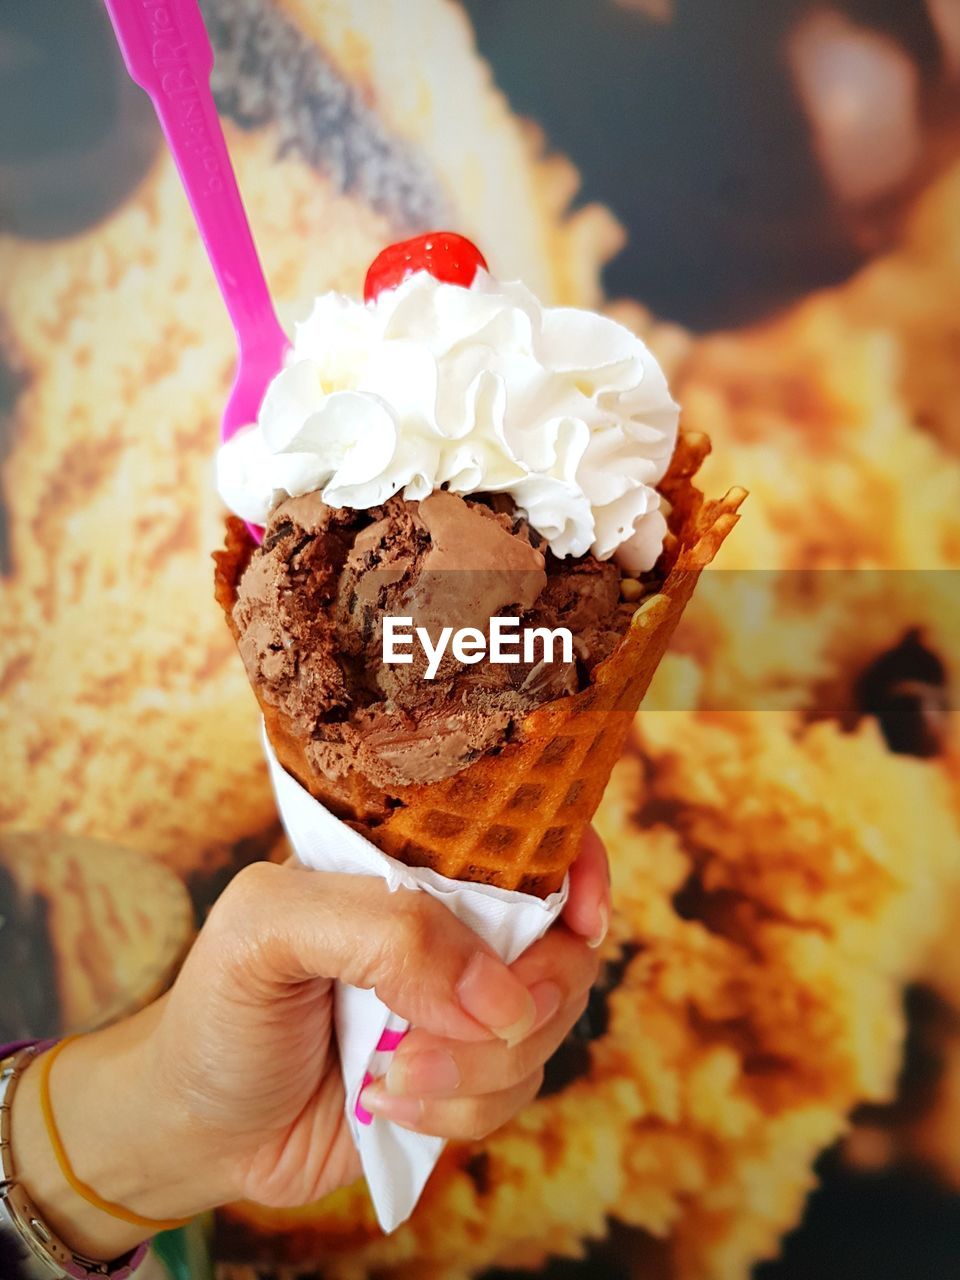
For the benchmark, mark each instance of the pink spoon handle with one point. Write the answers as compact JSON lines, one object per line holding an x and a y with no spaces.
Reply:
{"x":168,"y":53}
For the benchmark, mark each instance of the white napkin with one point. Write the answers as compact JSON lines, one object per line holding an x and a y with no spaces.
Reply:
{"x":396,"y":1163}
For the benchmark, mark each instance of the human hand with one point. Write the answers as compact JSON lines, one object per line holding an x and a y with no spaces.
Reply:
{"x":229,"y":1087}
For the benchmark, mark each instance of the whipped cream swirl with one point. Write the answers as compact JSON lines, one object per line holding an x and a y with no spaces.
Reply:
{"x":479,"y":390}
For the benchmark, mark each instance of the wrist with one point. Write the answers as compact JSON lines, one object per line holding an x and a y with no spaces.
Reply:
{"x":122,"y":1137}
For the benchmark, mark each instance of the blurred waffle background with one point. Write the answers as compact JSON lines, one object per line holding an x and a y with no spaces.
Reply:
{"x":770,"y":194}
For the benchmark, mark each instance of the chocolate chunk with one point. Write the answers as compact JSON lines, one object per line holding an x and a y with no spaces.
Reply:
{"x":571,"y":1062}
{"x":906,"y":690}
{"x":277,"y":533}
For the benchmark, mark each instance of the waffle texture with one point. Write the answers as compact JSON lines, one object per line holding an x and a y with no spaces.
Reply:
{"x":515,"y":817}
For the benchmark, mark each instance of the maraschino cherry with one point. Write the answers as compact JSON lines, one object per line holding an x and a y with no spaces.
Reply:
{"x":446,"y":255}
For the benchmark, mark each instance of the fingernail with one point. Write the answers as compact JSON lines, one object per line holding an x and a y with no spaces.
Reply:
{"x":548,"y":998}
{"x":380,"y":1103}
{"x":603,"y":914}
{"x":489,"y":992}
{"x":433,"y":1071}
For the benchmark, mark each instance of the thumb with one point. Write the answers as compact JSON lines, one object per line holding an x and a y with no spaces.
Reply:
{"x":284,"y":926}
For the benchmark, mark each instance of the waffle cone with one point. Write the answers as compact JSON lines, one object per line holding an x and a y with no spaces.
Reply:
{"x":515,"y":816}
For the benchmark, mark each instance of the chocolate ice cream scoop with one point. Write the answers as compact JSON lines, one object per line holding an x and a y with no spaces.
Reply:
{"x":310,"y":615}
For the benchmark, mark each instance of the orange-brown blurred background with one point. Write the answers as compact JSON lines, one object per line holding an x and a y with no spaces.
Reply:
{"x":770,"y":194}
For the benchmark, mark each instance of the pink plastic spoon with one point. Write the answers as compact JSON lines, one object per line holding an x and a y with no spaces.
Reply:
{"x":168,"y":53}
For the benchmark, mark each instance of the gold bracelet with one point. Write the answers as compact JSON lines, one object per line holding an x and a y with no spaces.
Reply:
{"x":81,"y":1188}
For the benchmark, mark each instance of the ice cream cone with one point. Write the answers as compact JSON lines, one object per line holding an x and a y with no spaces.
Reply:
{"x":515,"y":816}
